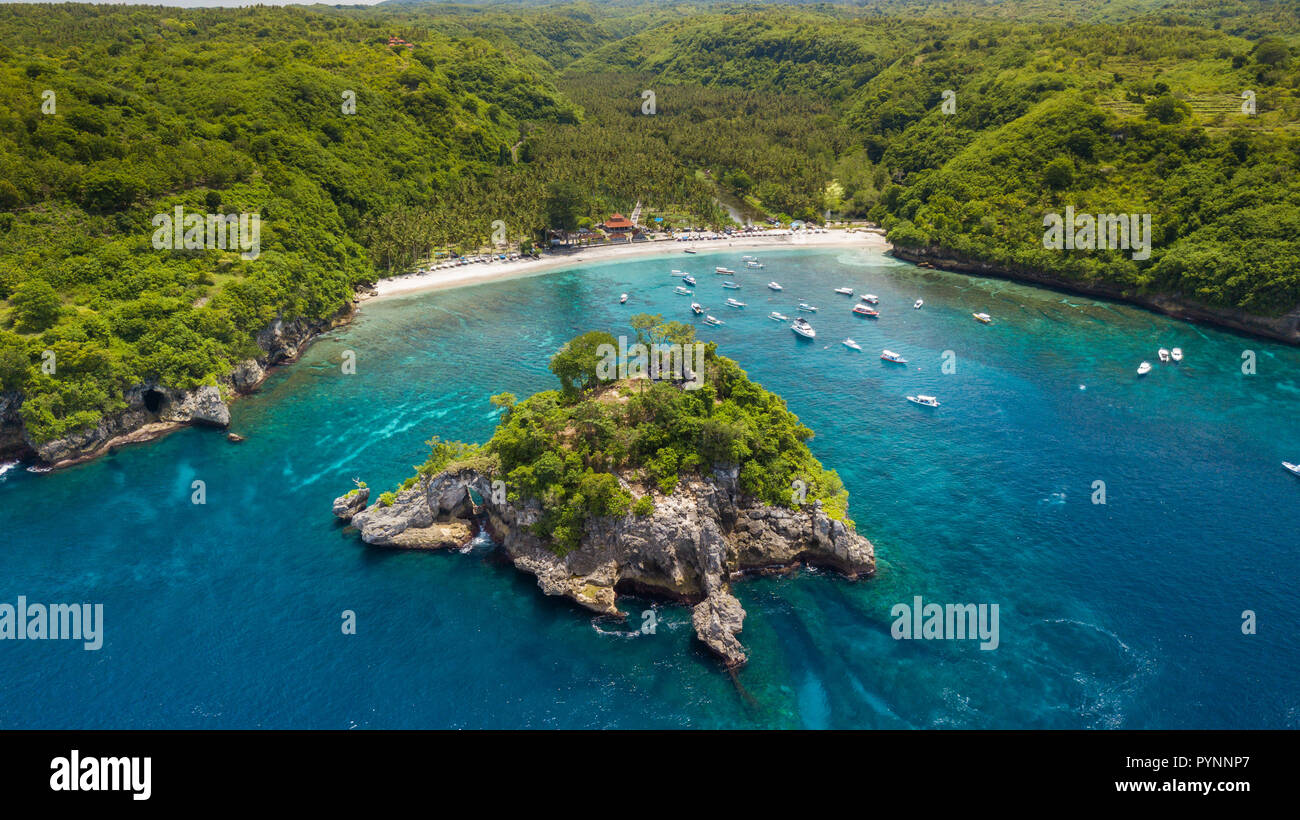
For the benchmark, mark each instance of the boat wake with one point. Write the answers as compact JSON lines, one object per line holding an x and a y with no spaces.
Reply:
{"x":1115,"y":671}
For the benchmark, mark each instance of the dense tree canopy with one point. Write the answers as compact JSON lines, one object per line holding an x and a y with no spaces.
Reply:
{"x":367,"y":139}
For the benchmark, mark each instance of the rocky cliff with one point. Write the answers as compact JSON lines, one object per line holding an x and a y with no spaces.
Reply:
{"x":1285,"y":328}
{"x":698,"y":539}
{"x":154,"y":409}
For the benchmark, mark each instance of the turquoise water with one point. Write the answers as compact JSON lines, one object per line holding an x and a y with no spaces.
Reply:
{"x":1126,"y":614}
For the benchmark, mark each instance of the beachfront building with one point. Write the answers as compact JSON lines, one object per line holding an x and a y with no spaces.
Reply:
{"x":619,"y":227}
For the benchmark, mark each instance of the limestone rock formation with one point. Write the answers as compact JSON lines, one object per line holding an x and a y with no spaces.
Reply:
{"x":699,"y":537}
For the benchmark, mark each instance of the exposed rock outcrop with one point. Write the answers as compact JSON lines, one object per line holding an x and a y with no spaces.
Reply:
{"x":346,"y":506}
{"x":154,"y":409}
{"x":1284,"y":328}
{"x":689,"y":549}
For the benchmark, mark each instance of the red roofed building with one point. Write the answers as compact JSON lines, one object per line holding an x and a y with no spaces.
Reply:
{"x":619,"y":227}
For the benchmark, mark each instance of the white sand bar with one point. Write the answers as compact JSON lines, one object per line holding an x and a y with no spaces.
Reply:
{"x":488,"y":271}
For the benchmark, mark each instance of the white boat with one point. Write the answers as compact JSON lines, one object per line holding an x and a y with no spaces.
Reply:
{"x":891,"y":356}
{"x":723,"y":270}
{"x":774,"y":286}
{"x":688,"y":279}
{"x":697,"y":308}
{"x":1176,"y":354}
{"x":852,"y":344}
{"x":622,"y":299}
{"x":801,"y":326}
{"x":780,"y":317}
{"x":681,"y":291}
{"x":748,"y":258}
{"x":1144,"y":368}
{"x":689,"y":250}
{"x":1163,"y":354}
{"x":924,"y":401}
{"x":713,"y":320}
{"x":804,"y":306}
{"x":918,"y":303}
{"x":870,"y":298}
{"x":754,"y":265}
{"x":1294,"y":469}
{"x":982,"y":318}
{"x":678,"y":272}
{"x":844,"y":291}
{"x":731,"y":285}
{"x":735,"y":303}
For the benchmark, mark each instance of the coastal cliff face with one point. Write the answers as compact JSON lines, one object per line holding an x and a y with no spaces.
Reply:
{"x":154,"y":409}
{"x":698,"y":539}
{"x":1285,"y":328}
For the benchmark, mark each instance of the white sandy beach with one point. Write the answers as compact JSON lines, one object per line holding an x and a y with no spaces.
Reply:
{"x":489,"y":271}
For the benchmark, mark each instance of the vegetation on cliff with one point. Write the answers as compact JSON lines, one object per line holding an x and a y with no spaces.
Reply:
{"x":568,"y":448}
{"x":112,"y":115}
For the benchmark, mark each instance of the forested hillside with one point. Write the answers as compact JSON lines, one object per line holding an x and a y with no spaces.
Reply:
{"x":532,"y":114}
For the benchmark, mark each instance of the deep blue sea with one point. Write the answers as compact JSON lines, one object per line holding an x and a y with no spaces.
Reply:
{"x":1127,"y":614}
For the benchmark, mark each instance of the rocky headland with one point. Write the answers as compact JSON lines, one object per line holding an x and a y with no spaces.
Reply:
{"x":154,"y":409}
{"x":698,"y":540}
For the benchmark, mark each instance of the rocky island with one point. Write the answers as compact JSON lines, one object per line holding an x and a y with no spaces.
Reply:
{"x":633,"y":481}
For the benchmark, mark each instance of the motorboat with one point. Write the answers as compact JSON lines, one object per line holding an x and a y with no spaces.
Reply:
{"x":731,"y":285}
{"x":863,"y":310}
{"x":844,"y":291}
{"x":924,"y":401}
{"x":849,"y":343}
{"x":917,"y":304}
{"x":891,"y":356}
{"x":688,"y":250}
{"x":688,"y":279}
{"x":713,"y":320}
{"x":622,"y":299}
{"x":807,"y":308}
{"x":982,"y":318}
{"x":754,"y":265}
{"x":774,"y":286}
{"x":779,"y":317}
{"x":735,"y":303}
{"x":1293,"y":469}
{"x":681,"y":291}
{"x":1176,"y":354}
{"x":1144,"y":368}
{"x":870,"y":298}
{"x":1163,"y":354}
{"x":801,"y":326}
{"x":697,"y":308}
{"x":723,"y":270}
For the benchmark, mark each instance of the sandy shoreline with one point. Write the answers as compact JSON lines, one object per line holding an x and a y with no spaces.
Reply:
{"x":492,"y":271}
